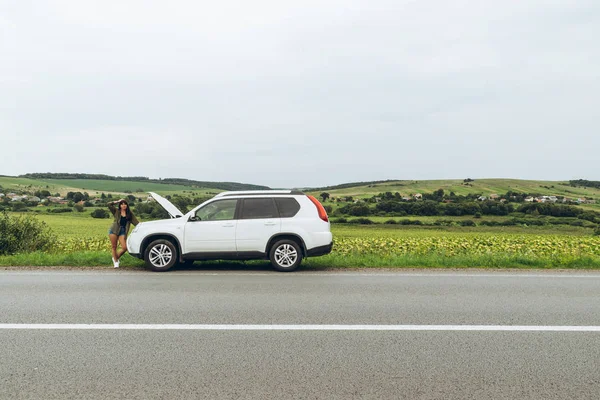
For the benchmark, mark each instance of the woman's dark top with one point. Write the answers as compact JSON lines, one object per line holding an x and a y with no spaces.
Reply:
{"x":123,"y":221}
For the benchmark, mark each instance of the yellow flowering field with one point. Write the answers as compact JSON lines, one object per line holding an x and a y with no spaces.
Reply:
{"x":480,"y":245}
{"x":504,"y":244}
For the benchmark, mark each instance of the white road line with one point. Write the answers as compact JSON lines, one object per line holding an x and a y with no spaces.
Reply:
{"x":233,"y":327}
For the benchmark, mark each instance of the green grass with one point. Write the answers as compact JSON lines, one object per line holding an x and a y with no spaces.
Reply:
{"x":349,"y":230}
{"x":97,"y":186}
{"x":115,"y":186}
{"x":332,"y":261}
{"x":483,"y":186}
{"x":79,"y":226}
{"x":75,"y":259}
{"x":82,"y":225}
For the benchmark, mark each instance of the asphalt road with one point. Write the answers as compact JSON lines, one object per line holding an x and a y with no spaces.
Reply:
{"x":216,"y":350}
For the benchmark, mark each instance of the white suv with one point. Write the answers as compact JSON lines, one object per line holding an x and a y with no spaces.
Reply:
{"x":280,"y":225}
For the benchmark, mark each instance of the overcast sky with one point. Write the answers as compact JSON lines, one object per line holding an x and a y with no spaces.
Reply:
{"x":302,"y":93}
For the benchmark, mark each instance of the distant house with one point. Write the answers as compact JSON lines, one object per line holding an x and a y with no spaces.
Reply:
{"x":418,"y":196}
{"x":34,"y":199}
{"x":406,"y":199}
{"x":482,"y":198}
{"x":18,"y":198}
{"x":1,"y":195}
{"x":552,"y":199}
{"x":494,"y":197}
{"x":529,"y":199}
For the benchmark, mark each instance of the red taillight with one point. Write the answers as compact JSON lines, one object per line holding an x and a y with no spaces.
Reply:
{"x":320,"y":208}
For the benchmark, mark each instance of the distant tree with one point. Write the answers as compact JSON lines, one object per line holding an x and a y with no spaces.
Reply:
{"x":78,"y":207}
{"x":102,"y":196}
{"x":99,"y":213}
{"x":324,"y":196}
{"x":42,"y":193}
{"x":18,"y":206}
{"x":77,"y":197}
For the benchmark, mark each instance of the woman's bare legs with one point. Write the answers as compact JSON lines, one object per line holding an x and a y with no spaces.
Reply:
{"x":113,"y":243}
{"x":123,"y":242}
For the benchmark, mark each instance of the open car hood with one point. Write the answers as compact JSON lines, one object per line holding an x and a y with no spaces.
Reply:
{"x":167,"y":205}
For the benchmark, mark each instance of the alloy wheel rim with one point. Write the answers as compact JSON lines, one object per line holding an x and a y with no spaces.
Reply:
{"x":286,"y":255}
{"x":161,"y":255}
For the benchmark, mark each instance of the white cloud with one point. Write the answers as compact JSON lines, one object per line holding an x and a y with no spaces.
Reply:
{"x":302,"y":93}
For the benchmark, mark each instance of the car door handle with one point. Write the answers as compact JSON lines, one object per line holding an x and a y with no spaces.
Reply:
{"x":228,"y":225}
{"x":270,"y":223}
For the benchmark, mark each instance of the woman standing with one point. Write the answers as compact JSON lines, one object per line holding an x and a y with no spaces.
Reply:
{"x":123,"y":218}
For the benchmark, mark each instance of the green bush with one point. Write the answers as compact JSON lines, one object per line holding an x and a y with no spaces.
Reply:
{"x":411,"y":222}
{"x":339,"y":221}
{"x":18,"y":206}
{"x":597,"y":231}
{"x":361,"y":221}
{"x":78,"y":207}
{"x":467,"y":222}
{"x":58,"y":210}
{"x":23,"y":234}
{"x":100,"y":213}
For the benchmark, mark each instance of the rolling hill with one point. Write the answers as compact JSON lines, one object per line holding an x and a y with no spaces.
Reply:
{"x":59,"y":183}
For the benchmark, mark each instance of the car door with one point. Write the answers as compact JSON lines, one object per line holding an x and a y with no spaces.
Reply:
{"x":259,"y":221}
{"x":212,"y":228}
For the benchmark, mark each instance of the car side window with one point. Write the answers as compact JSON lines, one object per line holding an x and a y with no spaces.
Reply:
{"x":288,"y":207}
{"x":259,"y":209}
{"x":221,"y":210}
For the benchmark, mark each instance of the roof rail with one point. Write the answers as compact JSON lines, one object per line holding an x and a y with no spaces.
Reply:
{"x":258,"y":193}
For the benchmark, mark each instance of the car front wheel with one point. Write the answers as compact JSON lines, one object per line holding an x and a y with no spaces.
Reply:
{"x":285,"y":255}
{"x":160,"y":255}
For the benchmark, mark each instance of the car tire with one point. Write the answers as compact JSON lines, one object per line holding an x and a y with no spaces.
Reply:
{"x":285,"y":255}
{"x":160,"y":255}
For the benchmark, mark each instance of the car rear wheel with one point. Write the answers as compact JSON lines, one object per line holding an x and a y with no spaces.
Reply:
{"x":160,"y":255}
{"x":285,"y":255}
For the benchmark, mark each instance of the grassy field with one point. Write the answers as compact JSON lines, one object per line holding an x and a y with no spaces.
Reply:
{"x":97,"y":186}
{"x":82,"y":241}
{"x":115,"y":186}
{"x":10,"y":184}
{"x":76,"y":225}
{"x":483,"y":186}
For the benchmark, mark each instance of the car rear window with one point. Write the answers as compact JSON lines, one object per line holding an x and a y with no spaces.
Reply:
{"x":259,"y":208}
{"x":288,"y":207}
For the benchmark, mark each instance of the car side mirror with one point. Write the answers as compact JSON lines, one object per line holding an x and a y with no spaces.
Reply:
{"x":195,"y":218}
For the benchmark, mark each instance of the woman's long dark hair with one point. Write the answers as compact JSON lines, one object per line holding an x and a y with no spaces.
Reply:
{"x":127,"y":212}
